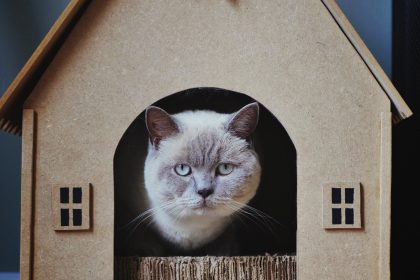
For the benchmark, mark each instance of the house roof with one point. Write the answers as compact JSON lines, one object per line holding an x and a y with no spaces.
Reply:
{"x":11,"y":103}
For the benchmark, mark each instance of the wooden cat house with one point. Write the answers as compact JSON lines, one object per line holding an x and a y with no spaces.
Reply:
{"x":300,"y":59}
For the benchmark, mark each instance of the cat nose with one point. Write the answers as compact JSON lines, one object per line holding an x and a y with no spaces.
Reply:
{"x":205,"y":192}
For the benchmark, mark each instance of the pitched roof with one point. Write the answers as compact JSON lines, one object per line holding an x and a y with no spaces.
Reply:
{"x":11,"y":103}
{"x":399,"y":107}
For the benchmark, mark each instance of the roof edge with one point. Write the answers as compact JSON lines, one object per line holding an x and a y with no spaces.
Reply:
{"x":14,"y":92}
{"x":400,"y":108}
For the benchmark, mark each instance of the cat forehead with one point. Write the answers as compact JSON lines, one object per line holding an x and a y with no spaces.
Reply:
{"x":203,"y":139}
{"x":206,"y":148}
{"x":201,"y":120}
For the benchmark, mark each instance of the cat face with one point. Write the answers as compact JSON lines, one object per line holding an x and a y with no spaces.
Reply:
{"x":200,"y":162}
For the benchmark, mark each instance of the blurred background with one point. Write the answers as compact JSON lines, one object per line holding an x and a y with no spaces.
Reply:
{"x":391,"y":29}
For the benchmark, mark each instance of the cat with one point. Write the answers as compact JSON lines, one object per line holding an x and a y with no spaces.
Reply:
{"x":200,"y":169}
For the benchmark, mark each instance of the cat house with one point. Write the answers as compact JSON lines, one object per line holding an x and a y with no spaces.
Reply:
{"x":301,"y":60}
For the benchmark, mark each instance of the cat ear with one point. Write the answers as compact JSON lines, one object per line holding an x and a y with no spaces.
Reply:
{"x":159,"y":124}
{"x":244,"y":122}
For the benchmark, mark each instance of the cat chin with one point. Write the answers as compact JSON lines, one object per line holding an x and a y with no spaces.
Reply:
{"x":210,"y":212}
{"x":192,"y":229}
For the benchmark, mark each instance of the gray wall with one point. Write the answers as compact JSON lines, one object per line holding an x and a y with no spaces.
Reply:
{"x":373,"y":20}
{"x":23,"y":23}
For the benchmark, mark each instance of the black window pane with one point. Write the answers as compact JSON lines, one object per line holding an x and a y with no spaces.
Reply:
{"x":336,"y":195}
{"x":349,"y":216}
{"x":64,"y":217}
{"x":77,"y":195}
{"x":336,"y":216}
{"x":77,"y":217}
{"x":349,"y":193}
{"x":64,"y":195}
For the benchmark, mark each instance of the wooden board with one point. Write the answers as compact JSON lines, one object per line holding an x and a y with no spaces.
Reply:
{"x":27,"y":194}
{"x":385,"y":196}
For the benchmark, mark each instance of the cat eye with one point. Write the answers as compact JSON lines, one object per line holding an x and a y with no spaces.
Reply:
{"x":224,"y":169}
{"x":182,"y":169}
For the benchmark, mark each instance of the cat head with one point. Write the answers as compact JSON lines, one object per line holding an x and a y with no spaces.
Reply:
{"x":201,"y":162}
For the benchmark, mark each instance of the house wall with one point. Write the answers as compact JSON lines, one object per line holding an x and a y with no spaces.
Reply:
{"x":291,"y":56}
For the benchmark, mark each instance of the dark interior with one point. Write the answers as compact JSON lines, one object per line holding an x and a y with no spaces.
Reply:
{"x":405,"y":142}
{"x":276,"y":195}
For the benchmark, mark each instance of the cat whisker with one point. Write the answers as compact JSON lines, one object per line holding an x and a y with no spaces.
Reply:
{"x":260,"y":213}
{"x":146,"y":215}
{"x":235,"y":214}
{"x":143,"y":214}
{"x":256,"y":216}
{"x":253,"y":218}
{"x":178,"y":215}
{"x":241,"y":213}
{"x":262,"y":216}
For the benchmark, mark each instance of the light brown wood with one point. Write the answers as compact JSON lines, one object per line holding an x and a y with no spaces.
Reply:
{"x":385,"y":196}
{"x":27,"y":192}
{"x":292,"y":58}
{"x":403,"y":111}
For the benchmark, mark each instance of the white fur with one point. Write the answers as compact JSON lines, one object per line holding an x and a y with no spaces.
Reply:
{"x":191,"y":232}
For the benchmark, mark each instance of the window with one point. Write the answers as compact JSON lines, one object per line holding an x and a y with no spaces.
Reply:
{"x":71,"y":209}
{"x":342,"y":203}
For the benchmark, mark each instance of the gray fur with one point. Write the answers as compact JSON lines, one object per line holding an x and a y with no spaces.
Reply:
{"x":203,"y":141}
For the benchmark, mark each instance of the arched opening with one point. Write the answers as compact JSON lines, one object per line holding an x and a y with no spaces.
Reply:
{"x":271,"y":229}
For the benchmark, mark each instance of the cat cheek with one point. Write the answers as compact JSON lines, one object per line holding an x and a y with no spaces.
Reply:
{"x":184,"y":186}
